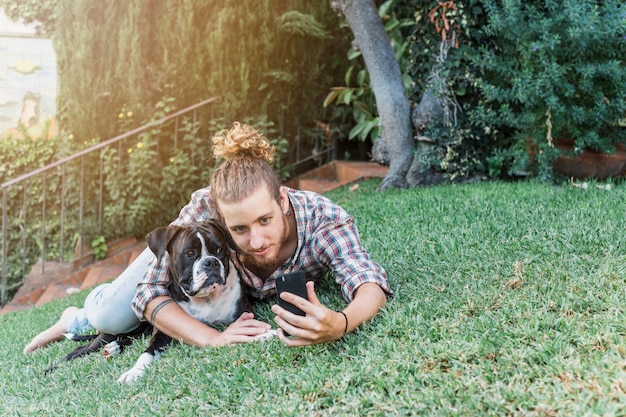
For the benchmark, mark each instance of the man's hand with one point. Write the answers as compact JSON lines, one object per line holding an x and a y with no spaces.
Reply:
{"x":244,"y":330}
{"x":322,"y":324}
{"x":176,"y":323}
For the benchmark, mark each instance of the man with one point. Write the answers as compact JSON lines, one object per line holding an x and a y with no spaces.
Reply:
{"x":278,"y":230}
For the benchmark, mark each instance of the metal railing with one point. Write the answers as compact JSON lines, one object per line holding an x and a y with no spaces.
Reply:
{"x":323,"y":150}
{"x":61,"y":165}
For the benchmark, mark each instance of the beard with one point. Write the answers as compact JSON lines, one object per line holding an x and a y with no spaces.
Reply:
{"x":265,"y":263}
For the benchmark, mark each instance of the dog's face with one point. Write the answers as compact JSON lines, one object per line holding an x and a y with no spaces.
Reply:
{"x":199,"y":255}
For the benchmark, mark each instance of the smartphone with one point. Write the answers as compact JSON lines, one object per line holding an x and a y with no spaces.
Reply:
{"x":295,"y":283}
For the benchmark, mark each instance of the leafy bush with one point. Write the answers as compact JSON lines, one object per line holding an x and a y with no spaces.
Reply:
{"x":553,"y":70}
{"x":147,"y":182}
{"x":460,"y":149}
{"x":99,"y":247}
{"x":24,"y":202}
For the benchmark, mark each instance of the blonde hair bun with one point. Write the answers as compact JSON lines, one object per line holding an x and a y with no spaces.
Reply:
{"x":242,"y":141}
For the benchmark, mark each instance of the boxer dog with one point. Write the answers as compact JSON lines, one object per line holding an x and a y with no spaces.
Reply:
{"x":203,"y":281}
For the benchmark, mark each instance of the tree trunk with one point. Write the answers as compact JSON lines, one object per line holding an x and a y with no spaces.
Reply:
{"x":395,"y":146}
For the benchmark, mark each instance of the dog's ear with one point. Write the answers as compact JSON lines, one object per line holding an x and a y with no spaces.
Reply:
{"x":222,"y":228}
{"x":159,"y":239}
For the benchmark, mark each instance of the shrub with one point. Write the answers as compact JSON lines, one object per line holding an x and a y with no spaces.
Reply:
{"x":25,"y":201}
{"x":553,"y":70}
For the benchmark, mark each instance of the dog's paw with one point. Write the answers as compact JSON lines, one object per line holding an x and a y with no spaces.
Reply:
{"x":138,"y":371}
{"x":270,"y":334}
{"x":111,"y":349}
{"x":132,"y":375}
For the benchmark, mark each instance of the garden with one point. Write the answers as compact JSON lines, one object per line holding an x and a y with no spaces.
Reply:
{"x":507,"y":263}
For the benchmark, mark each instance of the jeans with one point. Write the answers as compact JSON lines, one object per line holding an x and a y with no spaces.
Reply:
{"x":107,"y":307}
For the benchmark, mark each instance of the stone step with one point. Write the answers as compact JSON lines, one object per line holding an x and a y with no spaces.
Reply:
{"x":85,"y":256}
{"x":319,"y":186}
{"x":350,"y":171}
{"x":56,"y":291}
{"x":336,"y":174}
{"x":40,"y":277}
{"x":10,"y":308}
{"x":100,"y":274}
{"x":76,"y":278}
{"x":28,"y":299}
{"x":135,"y":253}
{"x":82,"y":278}
{"x":121,"y":245}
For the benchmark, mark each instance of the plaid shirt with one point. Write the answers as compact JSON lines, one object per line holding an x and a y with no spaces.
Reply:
{"x":328,"y":242}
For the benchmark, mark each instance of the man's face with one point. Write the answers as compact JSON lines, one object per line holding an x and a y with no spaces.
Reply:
{"x":258,"y":226}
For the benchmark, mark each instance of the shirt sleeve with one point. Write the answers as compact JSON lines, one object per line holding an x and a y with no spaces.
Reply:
{"x":339,"y":244}
{"x":154,"y":283}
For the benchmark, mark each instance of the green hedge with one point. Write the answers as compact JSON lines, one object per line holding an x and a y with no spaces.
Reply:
{"x":265,"y":58}
{"x":524,"y":72}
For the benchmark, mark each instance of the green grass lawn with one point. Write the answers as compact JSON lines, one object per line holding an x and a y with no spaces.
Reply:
{"x":509,"y":301}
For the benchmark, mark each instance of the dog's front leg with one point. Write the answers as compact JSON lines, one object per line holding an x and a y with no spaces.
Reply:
{"x":138,"y":371}
{"x":157,"y":346}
